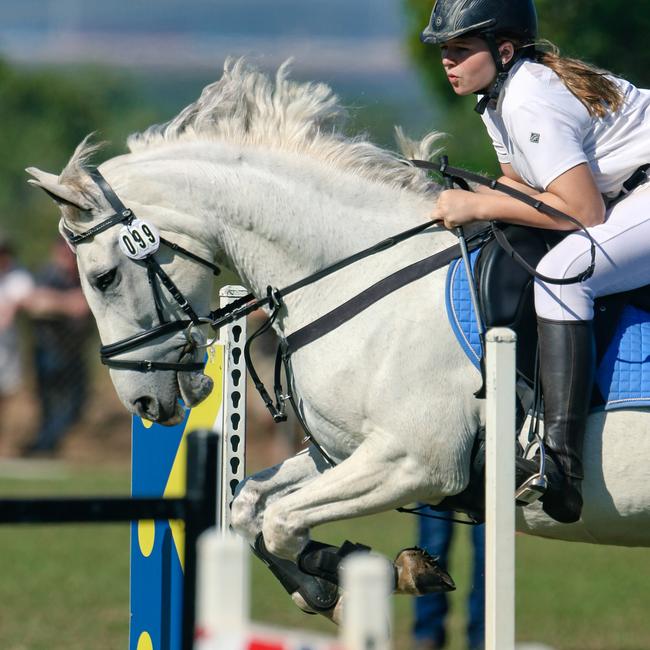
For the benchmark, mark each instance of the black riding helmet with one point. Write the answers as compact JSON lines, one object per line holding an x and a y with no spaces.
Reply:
{"x":454,"y":18}
{"x":488,"y":19}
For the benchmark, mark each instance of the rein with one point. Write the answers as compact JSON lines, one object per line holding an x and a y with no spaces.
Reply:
{"x":460,"y":176}
{"x":274,"y":298}
{"x":457,"y":176}
{"x":215,"y":319}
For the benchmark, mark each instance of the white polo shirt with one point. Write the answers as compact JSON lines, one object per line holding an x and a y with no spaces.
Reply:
{"x":543,"y":130}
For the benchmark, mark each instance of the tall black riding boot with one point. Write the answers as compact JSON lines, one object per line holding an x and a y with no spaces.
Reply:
{"x":567,"y":368}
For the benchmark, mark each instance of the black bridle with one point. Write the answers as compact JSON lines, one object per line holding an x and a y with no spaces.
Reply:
{"x":125,"y":216}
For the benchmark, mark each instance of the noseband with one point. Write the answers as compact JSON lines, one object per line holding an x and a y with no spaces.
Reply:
{"x":132,"y":242}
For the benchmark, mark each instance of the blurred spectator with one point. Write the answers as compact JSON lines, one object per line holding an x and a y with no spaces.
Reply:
{"x":431,"y":611}
{"x":61,"y":327}
{"x":15,"y":285}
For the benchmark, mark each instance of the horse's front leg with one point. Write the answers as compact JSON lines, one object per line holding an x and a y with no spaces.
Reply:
{"x":309,"y":592}
{"x":259,"y":490}
{"x":378,"y":476}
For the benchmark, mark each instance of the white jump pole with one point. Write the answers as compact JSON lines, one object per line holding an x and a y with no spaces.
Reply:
{"x":223,"y":602}
{"x":367,"y":586}
{"x":222,"y":584}
{"x":499,"y":490}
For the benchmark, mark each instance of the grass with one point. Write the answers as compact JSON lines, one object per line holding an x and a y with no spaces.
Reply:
{"x":67,"y":587}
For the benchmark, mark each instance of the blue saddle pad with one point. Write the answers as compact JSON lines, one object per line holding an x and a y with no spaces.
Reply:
{"x":623,"y":376}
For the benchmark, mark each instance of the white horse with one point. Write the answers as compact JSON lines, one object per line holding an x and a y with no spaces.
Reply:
{"x":257,"y":176}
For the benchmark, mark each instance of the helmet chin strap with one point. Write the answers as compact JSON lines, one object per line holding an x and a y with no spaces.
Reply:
{"x":491,"y":94}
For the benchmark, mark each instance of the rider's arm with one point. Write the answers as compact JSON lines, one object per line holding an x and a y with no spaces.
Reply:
{"x":511,"y":179}
{"x":573,"y":192}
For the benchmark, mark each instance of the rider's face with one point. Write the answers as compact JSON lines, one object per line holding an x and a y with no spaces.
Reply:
{"x":468,"y":64}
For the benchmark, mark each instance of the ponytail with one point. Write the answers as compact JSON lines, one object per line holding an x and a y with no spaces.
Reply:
{"x":594,"y":87}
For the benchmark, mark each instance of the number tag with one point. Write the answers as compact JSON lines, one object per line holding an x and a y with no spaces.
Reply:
{"x":139,"y":239}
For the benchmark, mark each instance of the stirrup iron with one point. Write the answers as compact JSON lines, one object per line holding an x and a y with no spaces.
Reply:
{"x":535,"y":486}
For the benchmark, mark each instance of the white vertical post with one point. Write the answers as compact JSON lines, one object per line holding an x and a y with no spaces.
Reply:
{"x":367,"y":582}
{"x":499,"y":490}
{"x":233,"y":338}
{"x":222,"y":585}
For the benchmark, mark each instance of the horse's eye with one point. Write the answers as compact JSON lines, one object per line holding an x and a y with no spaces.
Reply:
{"x":103,"y":281}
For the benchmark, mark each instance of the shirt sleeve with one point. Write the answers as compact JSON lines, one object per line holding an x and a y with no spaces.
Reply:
{"x":497,"y":138}
{"x":550,"y":137}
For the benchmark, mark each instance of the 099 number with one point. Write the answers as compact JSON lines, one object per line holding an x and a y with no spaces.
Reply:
{"x":139,"y":239}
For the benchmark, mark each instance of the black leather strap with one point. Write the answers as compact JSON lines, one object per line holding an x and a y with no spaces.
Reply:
{"x":179,"y":249}
{"x":277,"y":410}
{"x":111,"y":221}
{"x":247,"y":304}
{"x":348,"y":310}
{"x":502,"y":240}
{"x":321,"y":595}
{"x":323,"y":560}
{"x":169,"y":284}
{"x":639,"y":177}
{"x":150,"y":366}
{"x":107,"y":190}
{"x":137,"y":340}
{"x":540,"y":206}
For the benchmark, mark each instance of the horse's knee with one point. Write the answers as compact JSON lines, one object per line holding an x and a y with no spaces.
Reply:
{"x":245,"y":515}
{"x":284,"y":535}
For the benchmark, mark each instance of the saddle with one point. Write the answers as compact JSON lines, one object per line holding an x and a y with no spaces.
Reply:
{"x":505,"y":296}
{"x":505,"y":293}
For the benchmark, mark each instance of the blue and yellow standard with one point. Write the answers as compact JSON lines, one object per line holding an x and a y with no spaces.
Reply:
{"x":158,"y":469}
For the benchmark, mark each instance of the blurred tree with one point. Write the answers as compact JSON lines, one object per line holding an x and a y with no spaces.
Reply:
{"x":599,"y":31}
{"x":43,"y":116}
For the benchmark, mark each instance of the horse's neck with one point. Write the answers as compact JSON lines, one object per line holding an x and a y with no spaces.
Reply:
{"x":276,"y":218}
{"x":294,"y":215}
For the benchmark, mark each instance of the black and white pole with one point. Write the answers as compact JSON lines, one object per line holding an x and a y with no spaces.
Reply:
{"x":231,"y":422}
{"x":499,"y":490}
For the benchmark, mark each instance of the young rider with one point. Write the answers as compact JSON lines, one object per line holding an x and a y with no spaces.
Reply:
{"x":573,"y":137}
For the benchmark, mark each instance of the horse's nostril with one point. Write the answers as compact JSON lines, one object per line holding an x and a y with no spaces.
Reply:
{"x":146,"y":407}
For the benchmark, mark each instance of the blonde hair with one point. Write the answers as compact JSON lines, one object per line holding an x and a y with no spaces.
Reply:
{"x":594,"y":87}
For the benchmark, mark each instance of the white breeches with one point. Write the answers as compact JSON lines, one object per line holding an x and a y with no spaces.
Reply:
{"x":622,"y":261}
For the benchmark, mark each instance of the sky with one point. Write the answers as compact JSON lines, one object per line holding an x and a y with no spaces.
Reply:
{"x":323,"y":36}
{"x":356,"y":46}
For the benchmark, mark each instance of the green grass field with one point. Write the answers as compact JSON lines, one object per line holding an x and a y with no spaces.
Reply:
{"x":66,"y":588}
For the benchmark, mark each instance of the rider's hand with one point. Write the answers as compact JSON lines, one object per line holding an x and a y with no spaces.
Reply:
{"x":455,"y":208}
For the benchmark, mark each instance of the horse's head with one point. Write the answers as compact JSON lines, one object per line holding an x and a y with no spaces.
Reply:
{"x":154,"y":354}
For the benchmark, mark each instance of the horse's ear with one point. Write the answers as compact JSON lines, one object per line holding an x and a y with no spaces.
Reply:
{"x":62,"y":193}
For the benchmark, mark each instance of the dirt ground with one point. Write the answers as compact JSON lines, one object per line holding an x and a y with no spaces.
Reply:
{"x":103,"y":435}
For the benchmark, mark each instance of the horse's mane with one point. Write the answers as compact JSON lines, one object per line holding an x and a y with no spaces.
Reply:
{"x":246,"y":108}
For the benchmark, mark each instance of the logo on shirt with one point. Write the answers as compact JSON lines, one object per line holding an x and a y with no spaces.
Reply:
{"x":534,"y":137}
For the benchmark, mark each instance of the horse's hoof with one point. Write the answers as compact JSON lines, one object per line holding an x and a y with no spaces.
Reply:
{"x":333,"y":614}
{"x":419,"y":573}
